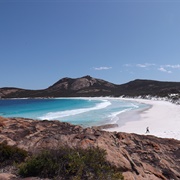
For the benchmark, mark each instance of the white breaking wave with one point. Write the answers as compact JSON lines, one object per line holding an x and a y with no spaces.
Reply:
{"x":134,"y":105}
{"x":60,"y":114}
{"x":114,"y":116}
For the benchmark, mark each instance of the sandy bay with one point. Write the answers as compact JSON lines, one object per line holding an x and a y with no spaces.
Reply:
{"x":162,"y":118}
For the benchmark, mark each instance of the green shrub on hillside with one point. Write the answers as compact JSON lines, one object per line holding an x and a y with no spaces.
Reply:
{"x":67,"y":163}
{"x":11,"y":154}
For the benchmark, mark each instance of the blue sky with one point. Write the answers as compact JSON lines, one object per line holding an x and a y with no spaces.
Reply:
{"x":42,"y":41}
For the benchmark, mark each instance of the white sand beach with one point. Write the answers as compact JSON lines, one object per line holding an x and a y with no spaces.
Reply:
{"x":162,"y":118}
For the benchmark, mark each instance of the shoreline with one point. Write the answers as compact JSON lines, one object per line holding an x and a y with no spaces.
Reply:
{"x":162,"y":118}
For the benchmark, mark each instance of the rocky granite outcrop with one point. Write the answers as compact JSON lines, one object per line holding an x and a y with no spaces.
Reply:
{"x":140,"y":157}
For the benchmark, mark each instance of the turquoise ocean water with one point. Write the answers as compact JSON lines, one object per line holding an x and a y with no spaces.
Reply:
{"x":82,"y":111}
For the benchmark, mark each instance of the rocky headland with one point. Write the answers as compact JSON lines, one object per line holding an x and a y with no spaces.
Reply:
{"x":142,"y":157}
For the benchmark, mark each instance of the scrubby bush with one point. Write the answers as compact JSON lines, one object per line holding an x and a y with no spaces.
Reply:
{"x":68,"y":163}
{"x":11,"y":154}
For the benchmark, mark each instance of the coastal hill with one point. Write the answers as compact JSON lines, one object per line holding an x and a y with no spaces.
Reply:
{"x":142,"y":157}
{"x":88,"y":86}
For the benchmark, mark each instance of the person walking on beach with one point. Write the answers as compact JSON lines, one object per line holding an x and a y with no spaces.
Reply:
{"x":147,"y":130}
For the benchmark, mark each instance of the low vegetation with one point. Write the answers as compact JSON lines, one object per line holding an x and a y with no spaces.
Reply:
{"x":64,"y":163}
{"x":68,"y":163}
{"x":10,"y":155}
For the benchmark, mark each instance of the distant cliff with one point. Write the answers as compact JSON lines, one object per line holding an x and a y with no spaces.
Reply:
{"x":88,"y":86}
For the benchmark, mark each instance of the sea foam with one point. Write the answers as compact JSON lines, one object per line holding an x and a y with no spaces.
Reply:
{"x":60,"y":114}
